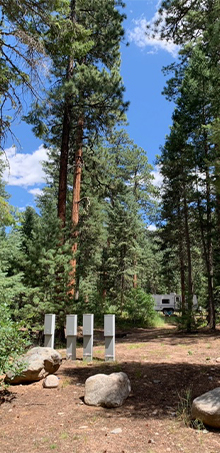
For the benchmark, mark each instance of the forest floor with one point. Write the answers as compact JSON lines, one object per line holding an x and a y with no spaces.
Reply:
{"x":163,"y":365}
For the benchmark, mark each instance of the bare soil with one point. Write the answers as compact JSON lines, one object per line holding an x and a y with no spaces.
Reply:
{"x":162,"y":365}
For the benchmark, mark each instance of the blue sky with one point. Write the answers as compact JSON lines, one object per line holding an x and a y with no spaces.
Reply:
{"x":149,"y":114}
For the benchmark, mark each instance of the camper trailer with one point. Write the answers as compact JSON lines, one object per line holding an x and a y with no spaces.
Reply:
{"x":169,"y":303}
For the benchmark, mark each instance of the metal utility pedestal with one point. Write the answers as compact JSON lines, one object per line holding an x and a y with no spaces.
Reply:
{"x":109,"y":333}
{"x":88,"y":323}
{"x":71,"y":334}
{"x":49,"y":330}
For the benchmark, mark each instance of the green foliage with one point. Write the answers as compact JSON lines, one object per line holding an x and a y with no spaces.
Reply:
{"x":184,"y":406}
{"x":139,"y":307}
{"x":22,"y":26}
{"x":12,"y":340}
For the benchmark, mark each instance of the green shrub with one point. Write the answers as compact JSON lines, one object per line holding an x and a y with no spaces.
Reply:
{"x":140,"y":307}
{"x":12,"y":340}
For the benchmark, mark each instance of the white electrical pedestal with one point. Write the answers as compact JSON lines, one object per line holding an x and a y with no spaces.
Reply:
{"x":71,"y":334}
{"x":109,"y":333}
{"x":49,"y":330}
{"x":88,"y":323}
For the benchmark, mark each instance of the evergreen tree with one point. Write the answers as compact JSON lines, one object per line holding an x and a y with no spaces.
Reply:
{"x":22,"y":25}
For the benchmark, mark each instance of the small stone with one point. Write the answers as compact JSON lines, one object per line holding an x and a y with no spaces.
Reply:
{"x":51,"y":382}
{"x":116,"y":431}
{"x":156,"y":381}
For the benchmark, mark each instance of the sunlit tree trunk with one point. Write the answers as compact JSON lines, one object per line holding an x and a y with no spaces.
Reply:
{"x":76,"y":194}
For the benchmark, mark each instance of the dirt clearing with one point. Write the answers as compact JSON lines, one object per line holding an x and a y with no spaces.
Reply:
{"x":163,"y":366}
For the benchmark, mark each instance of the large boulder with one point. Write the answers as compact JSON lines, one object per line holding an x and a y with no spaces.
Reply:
{"x":207,"y":408}
{"x":36,"y":364}
{"x":107,"y":390}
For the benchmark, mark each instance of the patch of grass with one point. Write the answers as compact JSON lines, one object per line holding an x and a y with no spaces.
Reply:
{"x":64,"y":436}
{"x":117,"y":367}
{"x":138,"y":374}
{"x":190,"y":352}
{"x":53,"y":446}
{"x":135,"y":346}
{"x":159,"y":320}
{"x":65,"y":383}
{"x":184,"y":407}
{"x":45,"y":439}
{"x":75,"y":437}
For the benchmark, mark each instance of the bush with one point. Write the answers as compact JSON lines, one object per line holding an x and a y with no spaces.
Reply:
{"x":140,"y":307}
{"x":12,"y":340}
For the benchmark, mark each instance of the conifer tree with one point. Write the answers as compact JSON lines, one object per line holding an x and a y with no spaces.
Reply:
{"x":23,"y":23}
{"x":88,"y":95}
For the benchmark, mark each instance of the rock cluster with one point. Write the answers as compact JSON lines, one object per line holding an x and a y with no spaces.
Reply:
{"x":36,"y":364}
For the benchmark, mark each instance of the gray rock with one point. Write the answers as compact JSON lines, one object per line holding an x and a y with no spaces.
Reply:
{"x":37,"y":363}
{"x":116,"y":431}
{"x":207,"y":408}
{"x":51,"y":382}
{"x":107,"y":390}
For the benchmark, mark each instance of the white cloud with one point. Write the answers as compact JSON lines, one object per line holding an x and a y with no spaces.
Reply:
{"x":139,"y":37}
{"x":25,"y":170}
{"x":152,"y":227}
{"x":158,"y":178}
{"x":36,"y":192}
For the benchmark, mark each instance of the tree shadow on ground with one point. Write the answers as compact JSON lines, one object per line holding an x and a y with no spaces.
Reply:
{"x":141,"y":335}
{"x":158,"y":389}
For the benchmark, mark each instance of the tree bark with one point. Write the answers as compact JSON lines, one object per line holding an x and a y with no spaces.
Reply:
{"x":189,"y":263}
{"x":64,"y":151}
{"x":76,"y":195}
{"x":181,"y":258}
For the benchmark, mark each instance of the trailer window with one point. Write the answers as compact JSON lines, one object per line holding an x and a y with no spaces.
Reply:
{"x":165,"y":301}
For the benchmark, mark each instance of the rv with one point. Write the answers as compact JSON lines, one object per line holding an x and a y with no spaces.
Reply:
{"x":169,"y":303}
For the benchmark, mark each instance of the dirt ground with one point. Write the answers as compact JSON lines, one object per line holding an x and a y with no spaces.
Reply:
{"x":163,"y":367}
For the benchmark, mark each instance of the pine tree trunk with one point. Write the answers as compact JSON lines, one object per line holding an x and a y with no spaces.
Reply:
{"x":207,"y":250}
{"x":76,"y":195}
{"x":210,"y":255}
{"x":123,"y":254}
{"x":209,"y":261}
{"x":181,"y":257}
{"x":64,"y":151}
{"x":189,"y":263}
